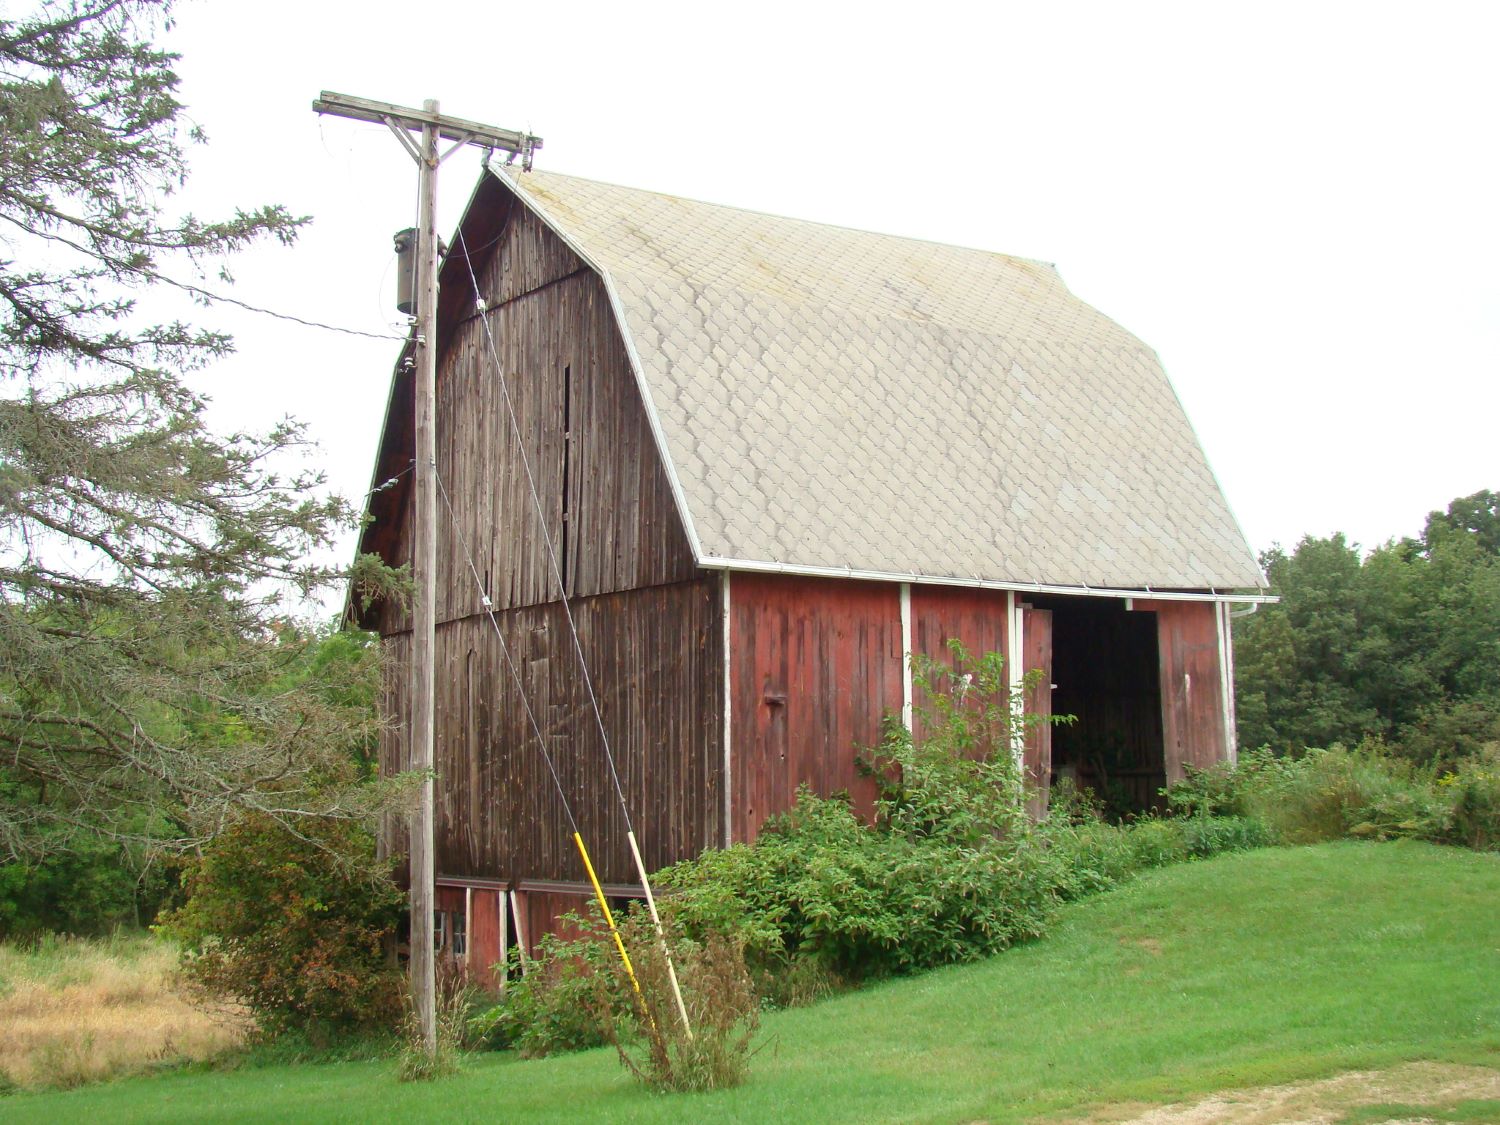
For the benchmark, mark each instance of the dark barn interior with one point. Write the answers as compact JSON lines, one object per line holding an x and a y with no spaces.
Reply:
{"x":1105,"y":672}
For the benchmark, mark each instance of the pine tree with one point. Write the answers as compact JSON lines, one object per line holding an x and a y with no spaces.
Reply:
{"x":149,"y":678}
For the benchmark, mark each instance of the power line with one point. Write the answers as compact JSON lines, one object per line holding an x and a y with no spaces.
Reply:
{"x":150,"y":274}
{"x":220,"y":297}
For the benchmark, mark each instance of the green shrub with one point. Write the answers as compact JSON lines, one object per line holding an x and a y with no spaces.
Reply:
{"x":1328,"y":793}
{"x":1230,"y":789}
{"x":1370,"y":792}
{"x":1474,"y":792}
{"x":1204,"y":836}
{"x":949,"y":870}
{"x":552,"y":1007}
{"x":961,"y":781}
{"x":863,"y":901}
{"x":87,"y":888}
{"x":293,"y":925}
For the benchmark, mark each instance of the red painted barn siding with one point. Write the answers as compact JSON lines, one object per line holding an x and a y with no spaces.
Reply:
{"x":485,"y":920}
{"x":942,"y":613}
{"x":814,"y":665}
{"x":1192,"y":700}
{"x":544,"y":912}
{"x":1036,"y":656}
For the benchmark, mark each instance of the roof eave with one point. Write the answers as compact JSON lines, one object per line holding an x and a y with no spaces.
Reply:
{"x":1210,"y":594}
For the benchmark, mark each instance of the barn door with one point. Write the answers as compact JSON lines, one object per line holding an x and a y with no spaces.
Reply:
{"x":1036,"y":656}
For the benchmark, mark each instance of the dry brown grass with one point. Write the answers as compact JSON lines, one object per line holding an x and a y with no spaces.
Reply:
{"x":75,"y":1011}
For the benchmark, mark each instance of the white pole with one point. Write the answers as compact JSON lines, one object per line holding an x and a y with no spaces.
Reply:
{"x":660,"y":936}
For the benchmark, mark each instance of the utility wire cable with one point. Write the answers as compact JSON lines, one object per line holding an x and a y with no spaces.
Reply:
{"x":536,"y":501}
{"x":116,"y":263}
{"x":489,"y":609}
{"x":583,"y":666}
{"x":222,"y":299}
{"x":588,"y":864}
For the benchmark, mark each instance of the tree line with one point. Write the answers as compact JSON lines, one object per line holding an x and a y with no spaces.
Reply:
{"x":1400,"y":645}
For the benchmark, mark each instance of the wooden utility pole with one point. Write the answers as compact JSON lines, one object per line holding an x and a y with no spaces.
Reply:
{"x":431,"y":126}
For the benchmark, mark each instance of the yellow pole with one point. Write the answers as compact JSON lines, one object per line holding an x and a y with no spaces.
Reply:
{"x":609,"y":919}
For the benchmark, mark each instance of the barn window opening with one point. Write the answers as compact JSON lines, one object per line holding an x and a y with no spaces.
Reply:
{"x":1105,"y":672}
{"x":458,"y":933}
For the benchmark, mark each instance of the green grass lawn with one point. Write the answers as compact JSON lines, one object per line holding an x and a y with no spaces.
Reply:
{"x":1249,"y":969}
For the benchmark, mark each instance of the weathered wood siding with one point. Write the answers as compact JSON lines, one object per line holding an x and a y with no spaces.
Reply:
{"x":649,"y":628}
{"x":655,"y":658}
{"x":605,"y":501}
{"x":816,"y":663}
{"x":1192,"y":699}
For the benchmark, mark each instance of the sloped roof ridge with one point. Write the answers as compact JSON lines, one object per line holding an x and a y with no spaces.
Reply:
{"x":517,"y":176}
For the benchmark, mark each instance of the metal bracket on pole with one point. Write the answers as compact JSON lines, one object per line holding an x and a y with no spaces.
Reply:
{"x":458,"y":129}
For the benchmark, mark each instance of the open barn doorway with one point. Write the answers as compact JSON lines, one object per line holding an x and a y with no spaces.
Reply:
{"x":1105,"y":671}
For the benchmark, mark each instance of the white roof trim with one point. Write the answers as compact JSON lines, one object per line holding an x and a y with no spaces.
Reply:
{"x":1143,"y":592}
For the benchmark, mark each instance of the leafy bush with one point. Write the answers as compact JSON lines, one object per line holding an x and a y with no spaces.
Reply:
{"x":952,"y":868}
{"x":577,"y":994}
{"x":88,"y":889}
{"x":949,"y":871}
{"x":553,"y":1006}
{"x":1086,"y":856}
{"x":1092,"y":856}
{"x":1474,"y":790}
{"x":293,"y":926}
{"x":961,"y":781}
{"x":1370,"y":792}
{"x":1334,"y":793}
{"x":864,"y":901}
{"x":1205,"y":836}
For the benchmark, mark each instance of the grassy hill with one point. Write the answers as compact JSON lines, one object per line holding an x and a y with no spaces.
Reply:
{"x":1249,"y":969}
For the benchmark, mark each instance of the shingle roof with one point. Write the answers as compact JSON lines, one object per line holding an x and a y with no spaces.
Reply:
{"x":834,"y":398}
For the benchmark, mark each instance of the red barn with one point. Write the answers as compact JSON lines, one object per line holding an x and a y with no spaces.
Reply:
{"x":772,"y":457}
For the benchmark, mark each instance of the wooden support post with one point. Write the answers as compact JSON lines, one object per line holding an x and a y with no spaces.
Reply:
{"x":401,"y":121}
{"x":424,"y":574}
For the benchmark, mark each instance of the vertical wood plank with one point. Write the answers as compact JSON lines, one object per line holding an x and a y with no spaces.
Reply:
{"x":817,"y":664}
{"x":1191,"y":686}
{"x":1036,"y":649}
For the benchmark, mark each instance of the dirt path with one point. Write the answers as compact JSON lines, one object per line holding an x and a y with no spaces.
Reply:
{"x":1324,"y":1102}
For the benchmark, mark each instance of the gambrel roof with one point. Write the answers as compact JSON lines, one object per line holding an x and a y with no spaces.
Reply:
{"x":831,"y":398}
{"x":831,"y":401}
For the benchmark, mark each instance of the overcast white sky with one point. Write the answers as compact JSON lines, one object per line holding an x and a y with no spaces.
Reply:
{"x":1295,"y":204}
